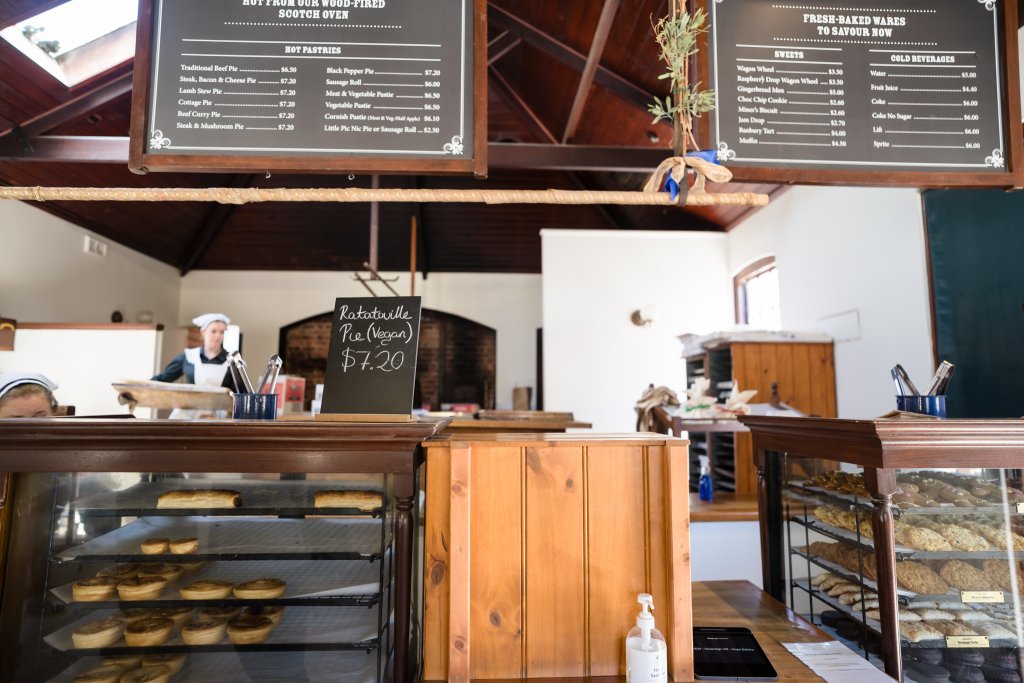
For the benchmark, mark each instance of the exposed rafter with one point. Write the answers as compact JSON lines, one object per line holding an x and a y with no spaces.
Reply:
{"x":76,"y":107}
{"x":212,"y":225}
{"x":615,"y":83}
{"x":501,"y":46}
{"x":604,"y":28}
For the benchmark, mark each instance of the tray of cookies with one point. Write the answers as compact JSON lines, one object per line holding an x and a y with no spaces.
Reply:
{"x":175,"y":496}
{"x":255,"y":667}
{"x":296,"y":582}
{"x":312,"y":628}
{"x":195,"y":538}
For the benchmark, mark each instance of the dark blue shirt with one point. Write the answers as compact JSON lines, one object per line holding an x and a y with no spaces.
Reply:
{"x":180,"y":366}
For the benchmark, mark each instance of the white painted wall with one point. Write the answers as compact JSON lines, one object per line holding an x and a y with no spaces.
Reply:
{"x":596,"y":362}
{"x":850,"y":249}
{"x":45,"y":276}
{"x":262,"y":302}
{"x":726,"y":551}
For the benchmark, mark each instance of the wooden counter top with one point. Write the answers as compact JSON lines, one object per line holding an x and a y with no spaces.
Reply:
{"x":741,"y":603}
{"x":726,"y":507}
{"x":468,"y":424}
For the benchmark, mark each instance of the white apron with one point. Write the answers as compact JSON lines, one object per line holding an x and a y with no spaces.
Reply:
{"x":206,"y":374}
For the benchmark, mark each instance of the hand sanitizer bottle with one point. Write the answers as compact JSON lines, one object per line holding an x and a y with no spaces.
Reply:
{"x":704,"y":491}
{"x":646,"y":649}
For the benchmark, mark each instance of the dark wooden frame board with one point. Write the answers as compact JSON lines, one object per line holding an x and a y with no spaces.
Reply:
{"x":844,"y":65}
{"x":320,"y":72}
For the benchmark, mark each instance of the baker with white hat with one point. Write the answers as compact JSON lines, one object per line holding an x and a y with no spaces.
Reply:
{"x":206,"y":364}
{"x":26,"y":394}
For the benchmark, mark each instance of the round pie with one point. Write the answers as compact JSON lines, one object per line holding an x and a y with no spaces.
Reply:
{"x":184,"y":546}
{"x":204,"y":632}
{"x":155,"y":546}
{"x":102,"y":633}
{"x":148,"y":632}
{"x":219,"y":613}
{"x":141,"y":588}
{"x":127,"y":616}
{"x":147,"y":674}
{"x":249,"y":630}
{"x":108,"y":673}
{"x":273,"y":612}
{"x":179,"y":615}
{"x":206,"y":590}
{"x":167,"y":571}
{"x":260,"y":589}
{"x":173,"y":662}
{"x":96,"y":588}
{"x":123,"y":661}
{"x":123,"y":570}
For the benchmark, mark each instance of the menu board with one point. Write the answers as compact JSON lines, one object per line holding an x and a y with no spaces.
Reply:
{"x":371,"y":364}
{"x":916,"y":85}
{"x":321,"y":81}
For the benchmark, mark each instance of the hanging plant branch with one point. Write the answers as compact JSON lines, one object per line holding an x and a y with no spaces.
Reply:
{"x":677,"y":36}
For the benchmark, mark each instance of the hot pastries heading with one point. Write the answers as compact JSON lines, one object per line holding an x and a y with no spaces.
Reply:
{"x":864,"y":25}
{"x":310,"y":9}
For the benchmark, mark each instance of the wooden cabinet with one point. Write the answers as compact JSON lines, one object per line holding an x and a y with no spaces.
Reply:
{"x":805,"y":377}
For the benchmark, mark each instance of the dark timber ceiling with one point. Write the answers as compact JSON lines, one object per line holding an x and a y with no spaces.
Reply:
{"x":541,"y":136}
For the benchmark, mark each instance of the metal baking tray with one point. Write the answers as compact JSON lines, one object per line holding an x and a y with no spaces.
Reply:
{"x":323,"y":582}
{"x":277,"y":497}
{"x":239,"y":538}
{"x":301,"y":628}
{"x":261,"y":667}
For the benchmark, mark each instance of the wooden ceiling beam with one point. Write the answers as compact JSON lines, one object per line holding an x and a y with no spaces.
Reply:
{"x":604,"y":28}
{"x":214,"y":222}
{"x":500,"y":155}
{"x":501,"y":46}
{"x":615,"y":83}
{"x":78,"y":106}
{"x":523,"y":110}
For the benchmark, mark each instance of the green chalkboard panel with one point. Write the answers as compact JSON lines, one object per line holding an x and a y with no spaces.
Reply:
{"x":976,"y":243}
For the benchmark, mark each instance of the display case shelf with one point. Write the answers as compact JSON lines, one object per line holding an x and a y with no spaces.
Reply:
{"x":863,"y":502}
{"x":249,"y":538}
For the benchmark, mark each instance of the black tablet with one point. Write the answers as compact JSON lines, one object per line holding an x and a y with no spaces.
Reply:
{"x":729,"y":653}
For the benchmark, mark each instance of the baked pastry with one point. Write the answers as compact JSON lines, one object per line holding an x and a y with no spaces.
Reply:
{"x":189,"y":567}
{"x":147,"y":674}
{"x":820,"y":578}
{"x":204,"y":632}
{"x":904,"y":615}
{"x":831,"y":581}
{"x":123,"y":661}
{"x":127,"y":616}
{"x":167,"y":571}
{"x":843,"y":589}
{"x":123,"y":570}
{"x":998,"y":571}
{"x":102,"y":633}
{"x":966,"y":577}
{"x":219,"y":613}
{"x":918,"y":578}
{"x":929,"y":614}
{"x":249,"y":630}
{"x":952,"y":628}
{"x":96,"y":588}
{"x":206,"y":590}
{"x":141,"y":588}
{"x":917,"y":631}
{"x":173,"y":662}
{"x":200,"y":498}
{"x":148,"y":632}
{"x":155,"y":546}
{"x":184,"y":546}
{"x":970,"y":615}
{"x":963,"y":539}
{"x":920,"y":538}
{"x":992,"y":629}
{"x":260,"y":589}
{"x":108,"y":673}
{"x":179,"y":615}
{"x":273,"y":612}
{"x":366,"y":501}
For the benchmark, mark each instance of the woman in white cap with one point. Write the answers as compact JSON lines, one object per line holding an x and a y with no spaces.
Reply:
{"x":26,"y":394}
{"x":206,"y":364}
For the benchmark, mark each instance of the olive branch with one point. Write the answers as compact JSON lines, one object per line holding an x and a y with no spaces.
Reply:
{"x":677,"y":36}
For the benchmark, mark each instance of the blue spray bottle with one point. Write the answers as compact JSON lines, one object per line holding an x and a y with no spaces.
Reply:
{"x":704,"y":485}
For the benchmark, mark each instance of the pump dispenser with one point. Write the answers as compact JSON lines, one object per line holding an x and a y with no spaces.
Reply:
{"x":646,"y":649}
{"x":704,"y":491}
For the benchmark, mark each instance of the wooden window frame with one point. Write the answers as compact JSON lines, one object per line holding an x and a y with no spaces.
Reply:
{"x":751,"y":271}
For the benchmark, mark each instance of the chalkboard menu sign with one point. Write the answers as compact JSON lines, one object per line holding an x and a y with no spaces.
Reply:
{"x":840,"y":91}
{"x":371,"y":365}
{"x":396,"y":85}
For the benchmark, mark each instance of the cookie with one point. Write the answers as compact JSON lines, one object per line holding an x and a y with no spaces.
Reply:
{"x":966,"y":577}
{"x":916,"y":577}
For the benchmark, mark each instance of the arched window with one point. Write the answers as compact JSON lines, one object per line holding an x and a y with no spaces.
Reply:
{"x":757,"y":295}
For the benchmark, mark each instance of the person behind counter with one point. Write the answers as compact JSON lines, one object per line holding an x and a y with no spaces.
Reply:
{"x":26,"y":394}
{"x":208,"y":364}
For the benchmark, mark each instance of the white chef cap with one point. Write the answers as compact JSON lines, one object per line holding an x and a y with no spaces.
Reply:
{"x":202,"y":321}
{"x":9,"y":380}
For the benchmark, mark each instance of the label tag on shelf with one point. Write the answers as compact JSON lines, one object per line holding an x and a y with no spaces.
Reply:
{"x":1020,"y":508}
{"x":966,"y":641}
{"x":981,"y":596}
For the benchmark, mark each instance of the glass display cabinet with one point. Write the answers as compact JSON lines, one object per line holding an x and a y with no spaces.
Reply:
{"x":261,"y":551}
{"x":902,"y":536}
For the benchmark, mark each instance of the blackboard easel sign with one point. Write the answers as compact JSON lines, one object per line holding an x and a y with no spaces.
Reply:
{"x":910,"y":92}
{"x":371,"y":365}
{"x":310,"y":85}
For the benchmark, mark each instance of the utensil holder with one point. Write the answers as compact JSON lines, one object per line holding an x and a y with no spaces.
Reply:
{"x":927,"y":405}
{"x":254,"y":406}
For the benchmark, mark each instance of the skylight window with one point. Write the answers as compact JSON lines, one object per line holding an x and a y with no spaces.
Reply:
{"x":79,"y":39}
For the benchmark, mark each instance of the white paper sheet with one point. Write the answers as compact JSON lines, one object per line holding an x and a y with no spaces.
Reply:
{"x":836,"y":663}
